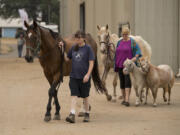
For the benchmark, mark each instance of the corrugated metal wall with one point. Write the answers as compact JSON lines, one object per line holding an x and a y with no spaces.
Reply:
{"x":157,"y":22}
{"x":179,"y":36}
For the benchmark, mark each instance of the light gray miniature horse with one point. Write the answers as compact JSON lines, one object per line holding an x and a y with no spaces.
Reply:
{"x":161,"y":76}
{"x":138,"y":79}
{"x":107,"y":43}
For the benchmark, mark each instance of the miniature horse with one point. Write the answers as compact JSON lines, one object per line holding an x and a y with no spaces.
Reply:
{"x":160,"y":76}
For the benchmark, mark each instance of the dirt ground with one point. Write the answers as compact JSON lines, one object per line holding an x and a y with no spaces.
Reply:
{"x":24,"y":95}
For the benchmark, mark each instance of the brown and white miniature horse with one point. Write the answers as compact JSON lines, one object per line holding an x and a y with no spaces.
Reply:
{"x":160,"y":76}
{"x":51,"y":58}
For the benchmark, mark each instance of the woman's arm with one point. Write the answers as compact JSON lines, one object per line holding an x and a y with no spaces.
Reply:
{"x":66,"y":57}
{"x":61,"y":45}
{"x":91,"y":65}
{"x":137,"y":53}
{"x":135,"y":57}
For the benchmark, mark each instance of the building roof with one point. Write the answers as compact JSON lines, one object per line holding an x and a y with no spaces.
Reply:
{"x":17,"y":22}
{"x":11,"y":22}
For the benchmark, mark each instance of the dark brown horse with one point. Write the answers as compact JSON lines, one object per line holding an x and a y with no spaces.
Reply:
{"x":28,"y":57}
{"x":44,"y":42}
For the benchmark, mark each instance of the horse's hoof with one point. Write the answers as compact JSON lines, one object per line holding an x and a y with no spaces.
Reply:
{"x":109,"y":97}
{"x":113,"y":99}
{"x":145,"y":103}
{"x":169,"y":103}
{"x":81,"y":114}
{"x":47,"y":118}
{"x":120,"y":97}
{"x":56,"y":117}
{"x":165,"y":100}
{"x":154,"y":105}
{"x":137,"y":105}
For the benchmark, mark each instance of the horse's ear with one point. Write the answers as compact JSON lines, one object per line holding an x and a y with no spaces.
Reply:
{"x":25,"y":24}
{"x":35,"y":24}
{"x":129,"y":25}
{"x":146,"y":59}
{"x":98,"y":27}
{"x":107,"y":27}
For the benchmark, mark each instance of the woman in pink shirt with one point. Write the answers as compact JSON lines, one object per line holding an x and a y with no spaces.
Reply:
{"x":126,"y":48}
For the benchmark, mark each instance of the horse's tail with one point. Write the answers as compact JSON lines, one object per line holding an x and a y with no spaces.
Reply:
{"x":144,"y":46}
{"x":96,"y":78}
{"x":172,"y":79}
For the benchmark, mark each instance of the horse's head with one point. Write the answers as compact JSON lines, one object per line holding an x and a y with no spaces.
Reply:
{"x":103,"y":37}
{"x":28,"y":57}
{"x":33,"y":37}
{"x":128,"y":66}
{"x":144,"y":64}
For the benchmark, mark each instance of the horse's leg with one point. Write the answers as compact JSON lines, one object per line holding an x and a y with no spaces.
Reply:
{"x":164,"y":94}
{"x":106,"y":71}
{"x":57,"y":115}
{"x":52,"y":93}
{"x":31,"y":58}
{"x":147,"y":89}
{"x":27,"y":55}
{"x":141,"y":95}
{"x":155,"y":96}
{"x":48,"y":114}
{"x":114,"y":86}
{"x":169,"y":95}
{"x":137,"y":96}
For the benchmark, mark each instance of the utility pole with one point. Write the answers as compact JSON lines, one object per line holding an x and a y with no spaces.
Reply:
{"x":49,"y":11}
{"x":0,"y":45}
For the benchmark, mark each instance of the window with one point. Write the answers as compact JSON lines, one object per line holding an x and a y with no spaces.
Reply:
{"x":82,"y":16}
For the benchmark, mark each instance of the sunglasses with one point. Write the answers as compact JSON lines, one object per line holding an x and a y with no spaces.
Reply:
{"x":124,"y":34}
{"x":78,"y":37}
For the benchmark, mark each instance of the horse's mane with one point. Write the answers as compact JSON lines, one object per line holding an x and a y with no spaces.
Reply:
{"x":55,"y":35}
{"x":144,"y":46}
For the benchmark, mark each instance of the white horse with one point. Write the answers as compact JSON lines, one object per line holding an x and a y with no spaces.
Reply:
{"x":108,"y":43}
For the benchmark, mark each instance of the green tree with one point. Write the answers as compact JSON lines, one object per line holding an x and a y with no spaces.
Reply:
{"x":48,"y":8}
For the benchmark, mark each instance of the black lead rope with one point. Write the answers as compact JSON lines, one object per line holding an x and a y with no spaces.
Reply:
{"x":108,"y":54}
{"x":61,"y":65}
{"x":61,"y":68}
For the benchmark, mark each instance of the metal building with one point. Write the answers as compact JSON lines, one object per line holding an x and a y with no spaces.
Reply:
{"x":157,"y":21}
